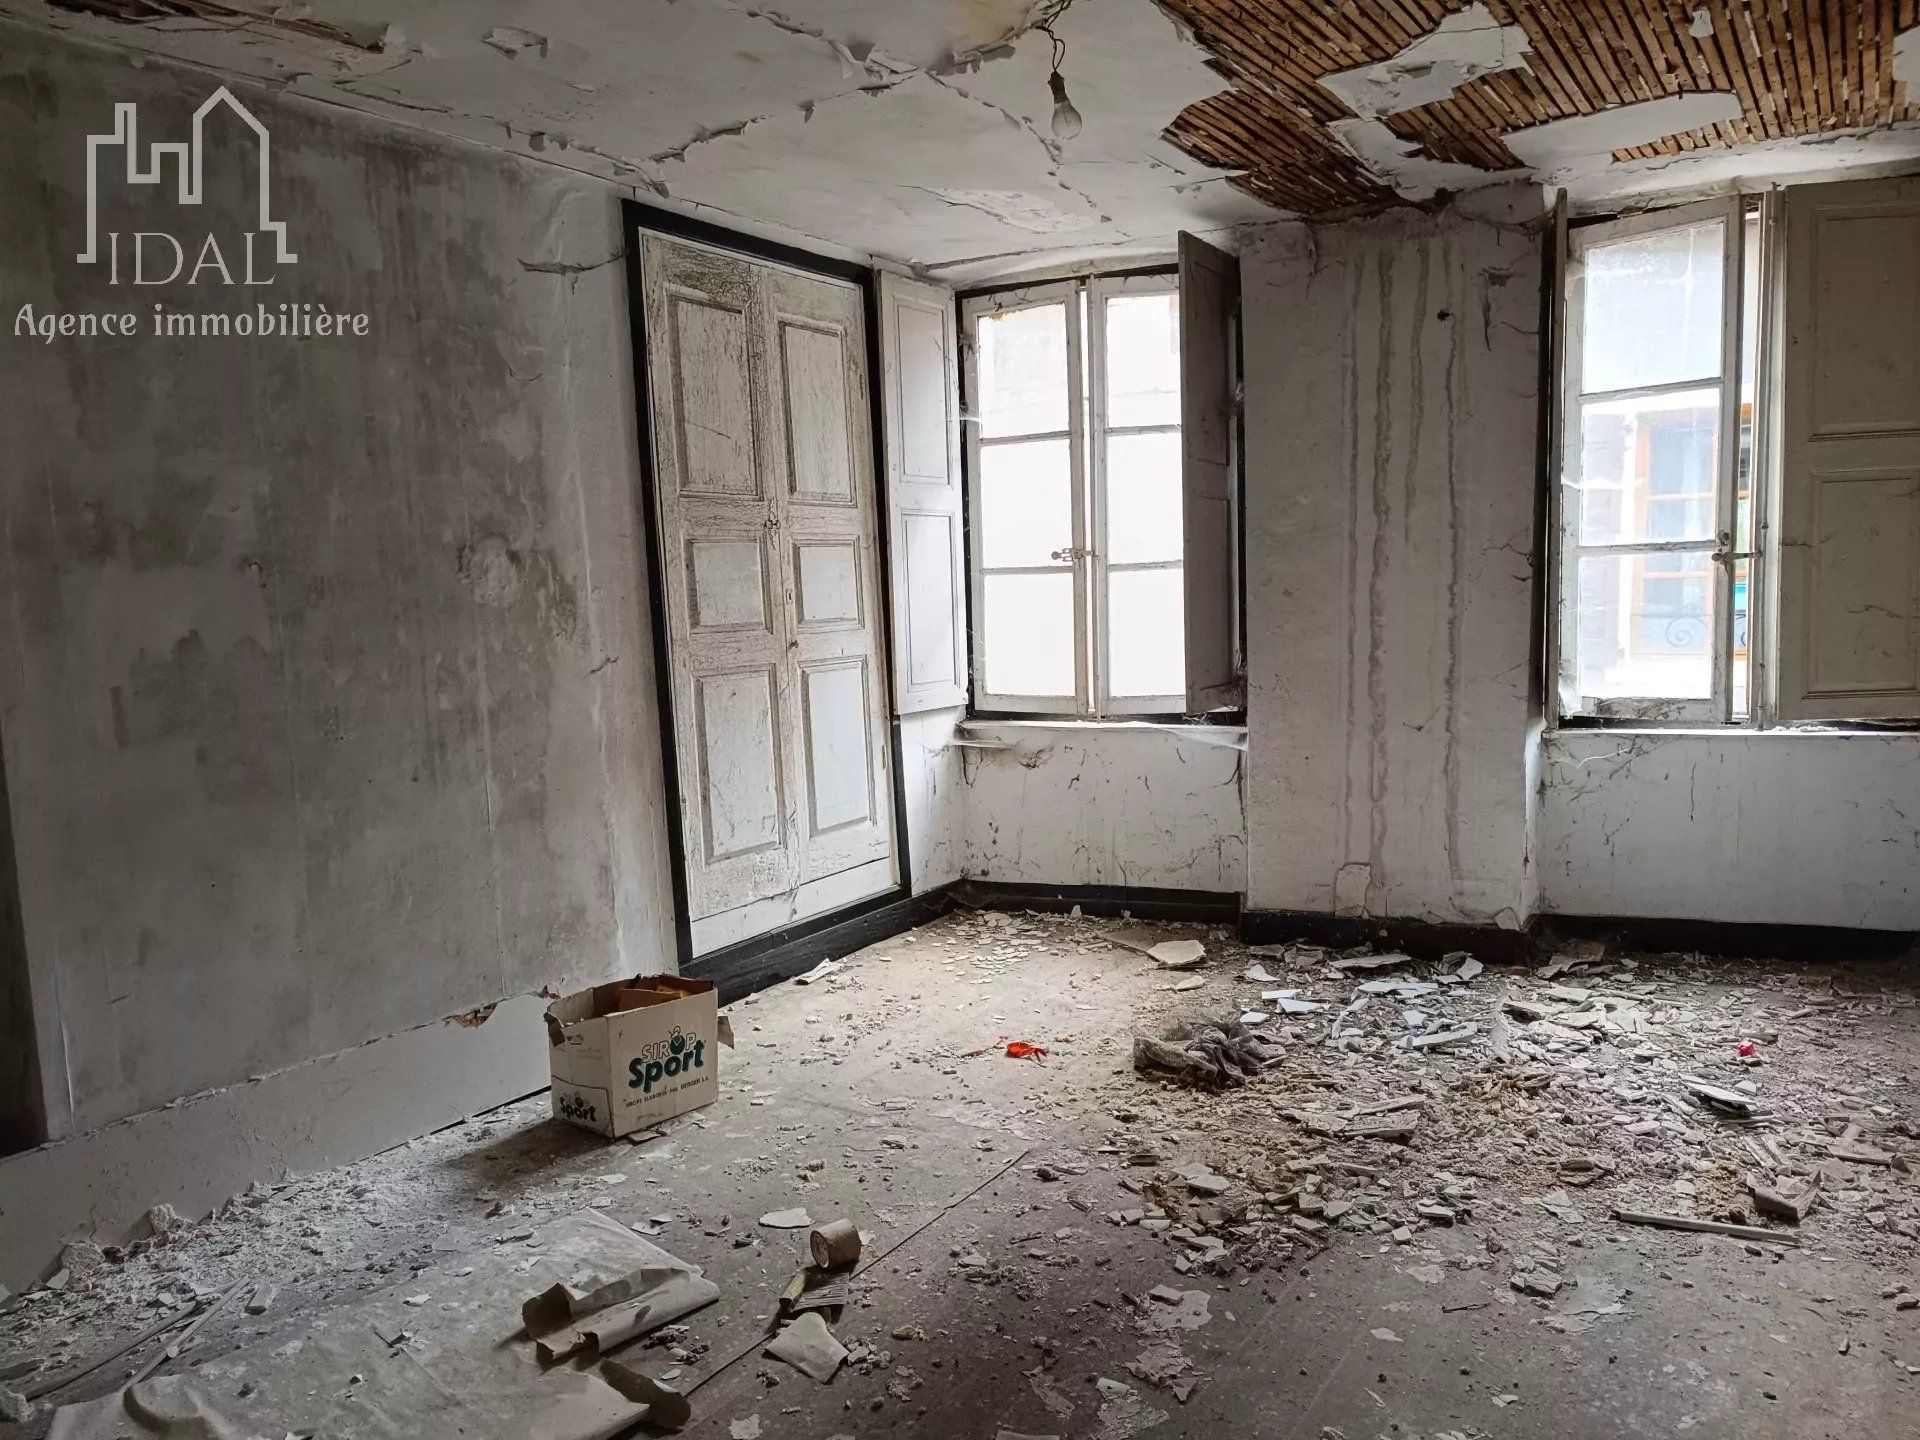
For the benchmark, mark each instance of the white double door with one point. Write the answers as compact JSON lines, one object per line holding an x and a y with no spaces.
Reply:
{"x":764,"y":478}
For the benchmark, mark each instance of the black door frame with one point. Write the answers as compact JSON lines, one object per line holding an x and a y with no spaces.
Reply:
{"x":754,"y":956}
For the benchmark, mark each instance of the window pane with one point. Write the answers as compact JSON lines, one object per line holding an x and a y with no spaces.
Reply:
{"x":1146,"y":634}
{"x":1647,"y":468}
{"x":1645,"y":626}
{"x":1143,"y":498}
{"x":1023,"y":371}
{"x":1143,"y":360}
{"x":1026,"y":503}
{"x":1652,"y":309}
{"x":1749,"y":308}
{"x":1030,"y":634}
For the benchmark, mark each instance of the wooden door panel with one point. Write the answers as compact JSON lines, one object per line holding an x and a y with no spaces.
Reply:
{"x":737,"y":730}
{"x":713,"y":419}
{"x":827,"y":584}
{"x":814,"y":403}
{"x":839,"y":746}
{"x":728,"y":589}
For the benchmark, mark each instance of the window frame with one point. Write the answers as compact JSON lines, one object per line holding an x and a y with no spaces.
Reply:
{"x":1084,"y":299}
{"x":1001,"y":302}
{"x":1565,"y":552}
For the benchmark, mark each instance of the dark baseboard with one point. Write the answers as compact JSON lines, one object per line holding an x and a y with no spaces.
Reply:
{"x":1141,"y":902}
{"x":1422,"y":939}
{"x":1726,"y":939}
{"x":1536,"y":942}
{"x":755,"y":964}
{"x":768,"y":959}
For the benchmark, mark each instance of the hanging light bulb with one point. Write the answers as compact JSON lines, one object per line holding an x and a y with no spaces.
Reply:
{"x":1066,"y":119}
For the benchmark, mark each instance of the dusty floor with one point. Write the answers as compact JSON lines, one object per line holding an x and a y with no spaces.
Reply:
{"x":1027,"y":1210}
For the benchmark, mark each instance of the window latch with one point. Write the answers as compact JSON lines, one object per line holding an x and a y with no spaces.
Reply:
{"x":1071,"y":552}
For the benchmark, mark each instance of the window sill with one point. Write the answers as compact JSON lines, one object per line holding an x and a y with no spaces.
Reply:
{"x":1732,"y":732}
{"x":1233,"y":737}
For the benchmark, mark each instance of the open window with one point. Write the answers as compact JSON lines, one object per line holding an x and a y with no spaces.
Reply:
{"x":1738,"y":507}
{"x":1100,"y":460}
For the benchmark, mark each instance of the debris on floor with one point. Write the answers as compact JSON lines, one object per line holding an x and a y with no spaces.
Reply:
{"x":835,"y":1244}
{"x":809,"y":1346}
{"x":1216,"y":1052}
{"x":1178,"y":954}
{"x":1505,"y":1146}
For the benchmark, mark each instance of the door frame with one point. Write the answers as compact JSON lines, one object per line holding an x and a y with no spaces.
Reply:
{"x":637,"y":219}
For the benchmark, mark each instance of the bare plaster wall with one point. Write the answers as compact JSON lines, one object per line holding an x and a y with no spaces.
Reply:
{"x":1391,"y":399}
{"x":325,"y":670}
{"x":1135,"y":805}
{"x":1807,"y":829}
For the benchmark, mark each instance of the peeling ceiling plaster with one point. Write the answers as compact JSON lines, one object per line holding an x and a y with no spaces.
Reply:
{"x":916,"y":132}
{"x":1313,"y":128}
{"x":1585,"y":143}
{"x":1462,"y":47}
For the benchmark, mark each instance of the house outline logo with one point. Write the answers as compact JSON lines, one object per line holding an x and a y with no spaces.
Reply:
{"x":187,"y":156}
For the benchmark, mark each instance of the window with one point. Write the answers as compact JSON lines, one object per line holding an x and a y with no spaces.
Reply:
{"x":1657,"y":548}
{"x":1737,"y":523}
{"x":1076,"y":510}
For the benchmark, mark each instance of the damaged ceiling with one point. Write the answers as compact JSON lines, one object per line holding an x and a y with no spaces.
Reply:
{"x":1319,"y":120}
{"x":920,"y":132}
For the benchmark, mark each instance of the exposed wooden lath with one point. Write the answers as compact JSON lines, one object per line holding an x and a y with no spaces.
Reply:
{"x":1800,"y":67}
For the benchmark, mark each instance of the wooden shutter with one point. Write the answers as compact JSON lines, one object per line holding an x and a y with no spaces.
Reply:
{"x":1849,"y":538}
{"x":1209,"y":323}
{"x":920,"y":376}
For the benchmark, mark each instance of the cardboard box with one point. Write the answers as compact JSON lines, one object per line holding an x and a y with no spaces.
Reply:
{"x":636,"y":1052}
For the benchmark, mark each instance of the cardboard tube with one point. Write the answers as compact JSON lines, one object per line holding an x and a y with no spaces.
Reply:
{"x":835,"y":1244}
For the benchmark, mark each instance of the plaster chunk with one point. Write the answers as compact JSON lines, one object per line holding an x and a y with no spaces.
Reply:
{"x":1906,"y":59}
{"x":1586,"y":142}
{"x":1463,"y":47}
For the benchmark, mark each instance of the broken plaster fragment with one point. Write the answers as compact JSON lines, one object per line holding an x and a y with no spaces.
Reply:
{"x":1462,"y":48}
{"x":809,"y":1346}
{"x":1906,"y":59}
{"x":510,"y":40}
{"x":1178,"y":954}
{"x":1581,"y":143}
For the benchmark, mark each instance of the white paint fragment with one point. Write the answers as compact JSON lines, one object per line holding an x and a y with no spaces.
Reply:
{"x":1701,"y":25}
{"x":1400,"y":164}
{"x":1586,"y":142}
{"x":1461,"y":48}
{"x":1906,"y":61}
